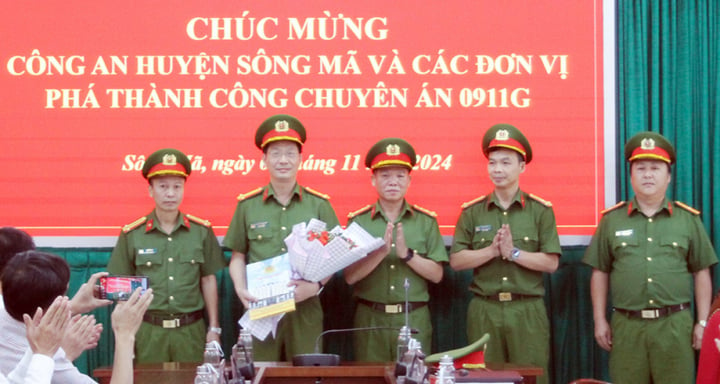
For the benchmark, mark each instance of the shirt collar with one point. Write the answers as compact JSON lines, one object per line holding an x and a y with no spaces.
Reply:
{"x":633,"y":207}
{"x":519,"y":199}
{"x":377,"y":210}
{"x":269,"y":192}
{"x":154,"y":223}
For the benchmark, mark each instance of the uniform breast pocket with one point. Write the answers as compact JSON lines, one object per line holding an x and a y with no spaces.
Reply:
{"x":675,"y":245}
{"x":483,"y":236}
{"x":260,"y":234}
{"x":527,"y":241}
{"x":147,"y":260}
{"x":192,"y":255}
{"x":624,"y":247}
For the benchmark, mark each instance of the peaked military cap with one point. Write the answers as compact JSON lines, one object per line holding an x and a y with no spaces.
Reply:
{"x":166,"y":162}
{"x":649,"y":146}
{"x":509,"y":137}
{"x":277,"y":128}
{"x":391,"y":152}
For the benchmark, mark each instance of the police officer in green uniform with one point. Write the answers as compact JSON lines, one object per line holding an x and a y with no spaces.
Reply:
{"x":413,"y":250}
{"x":509,"y":239}
{"x":650,"y":253}
{"x":263,"y":219}
{"x":180,"y":255}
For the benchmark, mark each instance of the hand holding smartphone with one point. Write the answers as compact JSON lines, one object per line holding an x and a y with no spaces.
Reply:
{"x":119,"y":288}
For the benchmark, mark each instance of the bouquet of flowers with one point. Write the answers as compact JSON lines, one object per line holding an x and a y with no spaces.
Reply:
{"x":316,"y":253}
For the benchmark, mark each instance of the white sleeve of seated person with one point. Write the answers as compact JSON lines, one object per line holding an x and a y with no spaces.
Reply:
{"x":66,"y":372}
{"x":32,"y":369}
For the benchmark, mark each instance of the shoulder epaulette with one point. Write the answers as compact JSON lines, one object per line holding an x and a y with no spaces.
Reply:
{"x":687,"y":207}
{"x":129,"y":227}
{"x":614,"y":207}
{"x":252,"y":193}
{"x":474,"y":201}
{"x":318,"y":194}
{"x":359,"y":211}
{"x":425,"y":210}
{"x":198,"y":220}
{"x":540,"y":200}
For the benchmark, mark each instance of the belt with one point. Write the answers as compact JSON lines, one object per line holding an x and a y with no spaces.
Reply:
{"x":174,"y":320}
{"x":508,"y":296}
{"x":653,"y":313}
{"x":393,"y":308}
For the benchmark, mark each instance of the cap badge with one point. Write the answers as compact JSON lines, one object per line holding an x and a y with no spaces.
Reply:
{"x":648,"y":144}
{"x":282,"y":126}
{"x":169,"y":159}
{"x":392,"y":150}
{"x":502,"y":134}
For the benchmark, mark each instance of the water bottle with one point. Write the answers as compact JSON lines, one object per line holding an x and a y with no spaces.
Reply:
{"x":204,"y":375}
{"x":242,"y":356}
{"x":213,"y":356}
{"x":403,"y":343}
{"x":446,"y":371}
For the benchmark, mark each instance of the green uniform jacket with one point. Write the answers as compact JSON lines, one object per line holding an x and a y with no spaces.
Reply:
{"x":650,"y":259}
{"x":261,"y":224}
{"x":533,"y":228}
{"x":422,"y":234}
{"x":173,"y":263}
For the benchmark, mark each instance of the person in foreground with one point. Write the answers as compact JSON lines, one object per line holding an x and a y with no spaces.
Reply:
{"x":413,"y":250}
{"x":126,"y":320}
{"x":508,"y":239}
{"x":653,"y":256}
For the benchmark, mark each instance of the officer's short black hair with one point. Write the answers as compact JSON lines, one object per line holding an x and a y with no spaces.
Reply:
{"x":33,"y":279}
{"x":12,"y":242}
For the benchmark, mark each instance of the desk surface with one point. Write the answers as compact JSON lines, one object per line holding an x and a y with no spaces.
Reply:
{"x":283,"y":372}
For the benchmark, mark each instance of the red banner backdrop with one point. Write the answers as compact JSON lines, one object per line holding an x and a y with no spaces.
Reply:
{"x":86,"y":92}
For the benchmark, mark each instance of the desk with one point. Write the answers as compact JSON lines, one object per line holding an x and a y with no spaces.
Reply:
{"x":283,"y":372}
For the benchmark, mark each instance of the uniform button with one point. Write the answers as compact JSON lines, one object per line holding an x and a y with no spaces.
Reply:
{"x":283,"y":228}
{"x":259,"y":237}
{"x":282,"y":249}
{"x":171,"y":278}
{"x":392,"y":245}
{"x":674,"y":244}
{"x":623,"y":244}
{"x":504,"y":213}
{"x":392,"y":266}
{"x":482,"y":239}
{"x":148,"y":263}
{"x":650,"y":280}
{"x":284,"y":209}
{"x":526,"y":238}
{"x":392,"y":287}
{"x":170,"y":259}
{"x":192,"y":261}
{"x":172,"y":297}
{"x":650,"y":239}
{"x":651,"y":301}
{"x":504,"y":278}
{"x":650,"y":220}
{"x":169,"y":238}
{"x":649,"y":258}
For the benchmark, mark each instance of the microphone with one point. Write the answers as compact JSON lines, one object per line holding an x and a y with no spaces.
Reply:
{"x":331,"y":359}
